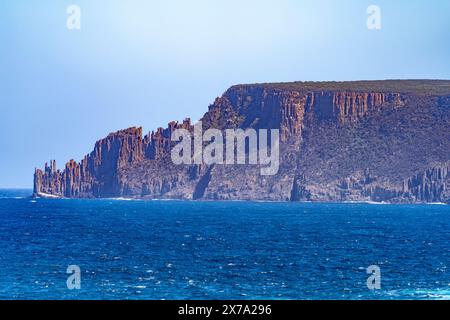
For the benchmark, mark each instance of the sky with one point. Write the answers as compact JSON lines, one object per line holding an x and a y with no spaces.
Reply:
{"x":145,"y":63}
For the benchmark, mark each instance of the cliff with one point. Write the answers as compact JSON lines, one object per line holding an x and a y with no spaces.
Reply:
{"x":339,"y":141}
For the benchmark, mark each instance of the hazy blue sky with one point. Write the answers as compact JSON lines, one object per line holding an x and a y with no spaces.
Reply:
{"x":144,"y":63}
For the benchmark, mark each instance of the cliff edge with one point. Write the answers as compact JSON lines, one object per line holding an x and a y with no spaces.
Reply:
{"x":339,"y":141}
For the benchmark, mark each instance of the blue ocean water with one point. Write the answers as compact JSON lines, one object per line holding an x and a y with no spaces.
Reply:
{"x":220,"y":250}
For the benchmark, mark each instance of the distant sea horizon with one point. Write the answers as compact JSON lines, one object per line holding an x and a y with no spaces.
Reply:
{"x":221,"y":250}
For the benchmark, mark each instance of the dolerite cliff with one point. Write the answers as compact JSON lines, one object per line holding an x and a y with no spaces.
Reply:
{"x":339,"y":141}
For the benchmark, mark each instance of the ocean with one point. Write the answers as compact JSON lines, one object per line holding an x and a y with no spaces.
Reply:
{"x":221,"y":250}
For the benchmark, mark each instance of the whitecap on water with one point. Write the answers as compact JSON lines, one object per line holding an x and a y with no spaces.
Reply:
{"x":432,"y":294}
{"x":12,"y":197}
{"x":140,"y":287}
{"x":124,"y":199}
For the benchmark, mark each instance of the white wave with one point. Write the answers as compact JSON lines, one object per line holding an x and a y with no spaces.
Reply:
{"x":123,"y":199}
{"x":366,"y":202}
{"x":433,"y":294}
{"x":12,"y":197}
{"x":377,"y":203}
{"x":140,"y":287}
{"x":47,"y":196}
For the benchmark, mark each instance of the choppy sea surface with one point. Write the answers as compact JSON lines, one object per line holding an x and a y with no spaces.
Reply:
{"x":220,"y":250}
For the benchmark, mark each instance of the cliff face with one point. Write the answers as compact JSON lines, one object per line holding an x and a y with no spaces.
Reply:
{"x":351,"y":141}
{"x":96,"y":174}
